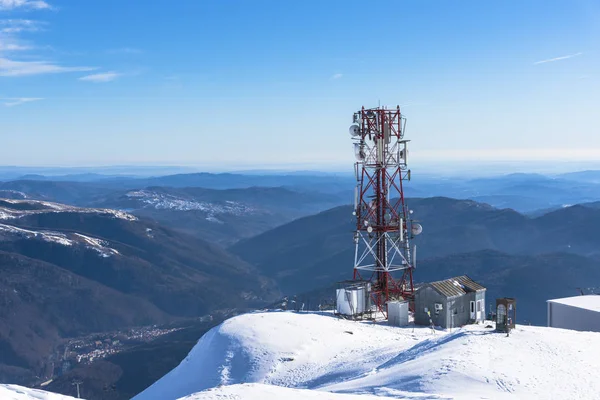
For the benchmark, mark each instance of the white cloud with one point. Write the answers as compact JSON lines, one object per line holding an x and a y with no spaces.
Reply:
{"x":337,"y":76}
{"x":11,"y":102}
{"x":19,"y":25}
{"x":99,"y":78}
{"x":25,"y":68}
{"x":4,"y":46}
{"x":10,"y":28}
{"x":557,"y":58}
{"x":26,"y":4}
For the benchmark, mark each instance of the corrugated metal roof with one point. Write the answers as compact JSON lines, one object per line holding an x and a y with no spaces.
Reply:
{"x":457,"y":286}
{"x":469,"y":283}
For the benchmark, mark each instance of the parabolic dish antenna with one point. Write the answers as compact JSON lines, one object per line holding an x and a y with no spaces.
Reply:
{"x":416,"y":229}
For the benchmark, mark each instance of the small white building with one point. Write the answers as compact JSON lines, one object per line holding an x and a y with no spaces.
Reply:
{"x":579,"y":313}
{"x":398,"y":313}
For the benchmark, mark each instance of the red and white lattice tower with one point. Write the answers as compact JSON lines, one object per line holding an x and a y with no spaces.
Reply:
{"x":384,"y":226}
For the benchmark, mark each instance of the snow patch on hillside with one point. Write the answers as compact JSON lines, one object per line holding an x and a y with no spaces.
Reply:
{"x":12,"y":194}
{"x":43,"y":207}
{"x":14,"y":392}
{"x":48,"y":236}
{"x":325,"y":354}
{"x":101,"y":246}
{"x":162,"y":201}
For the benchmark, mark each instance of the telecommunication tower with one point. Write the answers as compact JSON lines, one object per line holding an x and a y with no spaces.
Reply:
{"x":384,"y":226}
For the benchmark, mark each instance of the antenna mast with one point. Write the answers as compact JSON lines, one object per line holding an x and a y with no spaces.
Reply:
{"x":384,"y":226}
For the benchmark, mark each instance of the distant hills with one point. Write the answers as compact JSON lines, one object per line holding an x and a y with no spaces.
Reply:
{"x":221,"y":216}
{"x":67,"y":271}
{"x":309,"y":251}
{"x":525,"y":193}
{"x":217,"y":215}
{"x":533,"y":259}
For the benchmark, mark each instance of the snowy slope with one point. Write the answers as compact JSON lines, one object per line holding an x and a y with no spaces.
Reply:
{"x":14,"y":392}
{"x":66,"y":239}
{"x":171,"y":202}
{"x":320,"y":352}
{"x":12,"y":211}
{"x":21,"y":208}
{"x":257,"y":391}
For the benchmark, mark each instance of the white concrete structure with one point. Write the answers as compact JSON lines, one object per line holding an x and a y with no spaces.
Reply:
{"x":579,"y":313}
{"x":398,"y":313}
{"x":351,"y":301}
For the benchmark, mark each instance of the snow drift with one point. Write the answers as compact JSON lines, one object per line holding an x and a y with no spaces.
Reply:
{"x":247,"y":355}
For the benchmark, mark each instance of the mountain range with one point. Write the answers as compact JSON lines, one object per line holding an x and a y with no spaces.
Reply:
{"x":88,"y":258}
{"x":69,"y":271}
{"x":533,"y":259}
{"x":220,"y":216}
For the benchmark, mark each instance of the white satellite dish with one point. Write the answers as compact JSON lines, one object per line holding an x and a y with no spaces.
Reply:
{"x":416,"y":229}
{"x":354,"y":130}
{"x":370,"y":229}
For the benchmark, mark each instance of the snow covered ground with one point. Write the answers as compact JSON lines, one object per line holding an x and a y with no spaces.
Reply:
{"x":286,"y":355}
{"x":14,"y":392}
{"x":269,"y":392}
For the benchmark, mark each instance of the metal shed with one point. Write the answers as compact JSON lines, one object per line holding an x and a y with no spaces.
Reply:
{"x":452,"y":302}
{"x":580,"y":313}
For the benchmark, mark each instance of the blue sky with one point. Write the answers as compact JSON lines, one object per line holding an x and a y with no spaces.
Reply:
{"x":255,"y":83}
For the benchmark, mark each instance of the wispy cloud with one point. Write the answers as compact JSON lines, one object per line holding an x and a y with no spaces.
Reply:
{"x":101,"y":78}
{"x":125,"y":50}
{"x":24,"y":4}
{"x":7,"y":46}
{"x":12,"y":102}
{"x":9,"y":31}
{"x":19,"y":25}
{"x":557,"y":58}
{"x":336,"y":76}
{"x":26,"y":68}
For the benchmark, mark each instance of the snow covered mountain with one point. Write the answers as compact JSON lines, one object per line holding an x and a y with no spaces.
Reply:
{"x":288,"y":355}
{"x":14,"y":392}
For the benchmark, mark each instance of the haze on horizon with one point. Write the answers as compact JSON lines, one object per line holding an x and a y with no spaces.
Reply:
{"x":233,"y":83}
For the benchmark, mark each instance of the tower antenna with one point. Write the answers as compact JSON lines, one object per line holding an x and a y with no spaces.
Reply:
{"x":384,"y":224}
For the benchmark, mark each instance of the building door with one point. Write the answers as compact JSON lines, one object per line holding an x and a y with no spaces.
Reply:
{"x":472,"y":310}
{"x":479,"y":310}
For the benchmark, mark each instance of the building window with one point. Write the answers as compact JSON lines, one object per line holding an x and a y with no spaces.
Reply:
{"x":472,"y":307}
{"x":479,"y":306}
